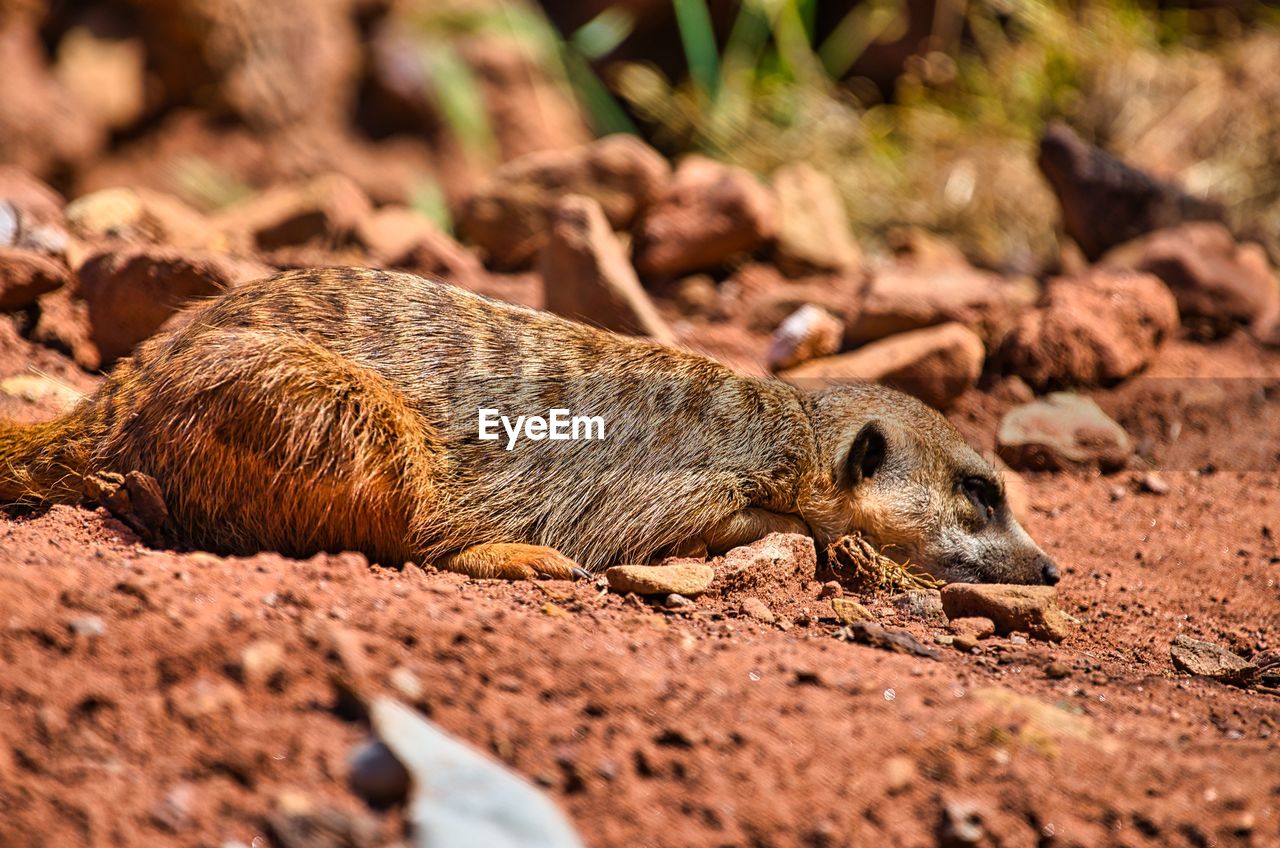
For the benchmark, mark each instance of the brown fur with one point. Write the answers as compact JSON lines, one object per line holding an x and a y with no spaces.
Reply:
{"x":337,"y":409}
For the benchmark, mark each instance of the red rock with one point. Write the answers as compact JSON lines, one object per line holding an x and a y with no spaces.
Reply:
{"x":1029,"y":609}
{"x":141,"y":215}
{"x":708,"y":213}
{"x":1060,"y":432}
{"x":908,"y":295}
{"x":327,"y":209}
{"x":25,"y":275}
{"x":1218,"y":282}
{"x":132,"y":292}
{"x":399,"y":237}
{"x":508,"y":215}
{"x":1096,"y":329}
{"x":813,"y":226}
{"x":586,"y":275}
{"x":936,"y":364}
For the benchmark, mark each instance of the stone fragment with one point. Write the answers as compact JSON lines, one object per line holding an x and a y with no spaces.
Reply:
{"x":686,"y":579}
{"x":1062,"y":432}
{"x":1011,"y":607}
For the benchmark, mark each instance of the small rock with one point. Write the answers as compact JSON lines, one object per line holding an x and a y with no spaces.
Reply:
{"x":508,"y":215}
{"x":808,"y":333}
{"x":686,"y":579}
{"x":173,"y":810}
{"x":813,"y":226}
{"x":262,"y":663}
{"x":708,"y":213}
{"x":1209,"y":660}
{"x":141,"y":215}
{"x":756,"y":608}
{"x":897,"y":641}
{"x":1154,"y":484}
{"x":906,"y":296}
{"x":697,"y":295}
{"x":945,"y":639}
{"x":677,"y":601}
{"x":327,"y":209}
{"x":1029,"y":609}
{"x":974,"y":627}
{"x":408,"y":684}
{"x":25,"y":275}
{"x":375,"y":774}
{"x":1057,"y":670}
{"x":965,"y":643}
{"x":1106,"y":201}
{"x":1062,"y":432}
{"x":848,"y":611}
{"x":1219,"y":284}
{"x":89,"y":626}
{"x":1095,"y":329}
{"x":399,"y":237}
{"x":899,"y":774}
{"x":132,"y":291}
{"x":831,"y":589}
{"x":920,"y":604}
{"x":936,"y":364}
{"x":960,"y":825}
{"x":586,"y":275}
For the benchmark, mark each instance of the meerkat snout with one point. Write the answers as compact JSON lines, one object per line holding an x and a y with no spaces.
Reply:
{"x":907,"y":480}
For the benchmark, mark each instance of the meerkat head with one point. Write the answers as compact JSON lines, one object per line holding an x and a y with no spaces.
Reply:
{"x":897,"y":472}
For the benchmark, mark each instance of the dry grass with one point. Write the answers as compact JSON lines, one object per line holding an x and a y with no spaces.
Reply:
{"x":865,"y":569}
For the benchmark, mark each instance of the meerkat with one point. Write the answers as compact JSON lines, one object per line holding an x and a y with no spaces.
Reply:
{"x":339,"y":409}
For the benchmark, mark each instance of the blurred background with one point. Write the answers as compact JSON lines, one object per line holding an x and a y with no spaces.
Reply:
{"x":924,"y":113}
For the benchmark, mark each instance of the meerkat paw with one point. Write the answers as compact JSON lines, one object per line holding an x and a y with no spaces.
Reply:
{"x":512,"y":561}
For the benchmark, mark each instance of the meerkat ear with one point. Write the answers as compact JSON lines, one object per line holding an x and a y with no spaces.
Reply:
{"x":866,"y":455}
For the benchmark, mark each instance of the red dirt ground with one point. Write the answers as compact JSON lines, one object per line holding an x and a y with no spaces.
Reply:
{"x":160,"y":698}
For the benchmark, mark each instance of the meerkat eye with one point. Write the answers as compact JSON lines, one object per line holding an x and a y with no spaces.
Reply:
{"x":983,"y":494}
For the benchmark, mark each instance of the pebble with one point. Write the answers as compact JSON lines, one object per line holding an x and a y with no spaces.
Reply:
{"x":922,"y":604}
{"x":1154,"y":484}
{"x":261,"y":662}
{"x":1057,"y":670}
{"x":677,"y":601}
{"x":972,"y":627}
{"x":90,"y":626}
{"x":1209,"y":660}
{"x":406,"y":683}
{"x":961,"y":825}
{"x":757,"y":609}
{"x":375,"y":774}
{"x":831,"y":589}
{"x":686,"y":579}
{"x":899,"y":774}
{"x":848,"y":611}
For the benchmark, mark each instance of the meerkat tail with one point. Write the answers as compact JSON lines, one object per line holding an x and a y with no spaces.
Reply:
{"x":46,"y":462}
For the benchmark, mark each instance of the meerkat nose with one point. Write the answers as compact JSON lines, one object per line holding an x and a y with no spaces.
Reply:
{"x":1049,"y":572}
